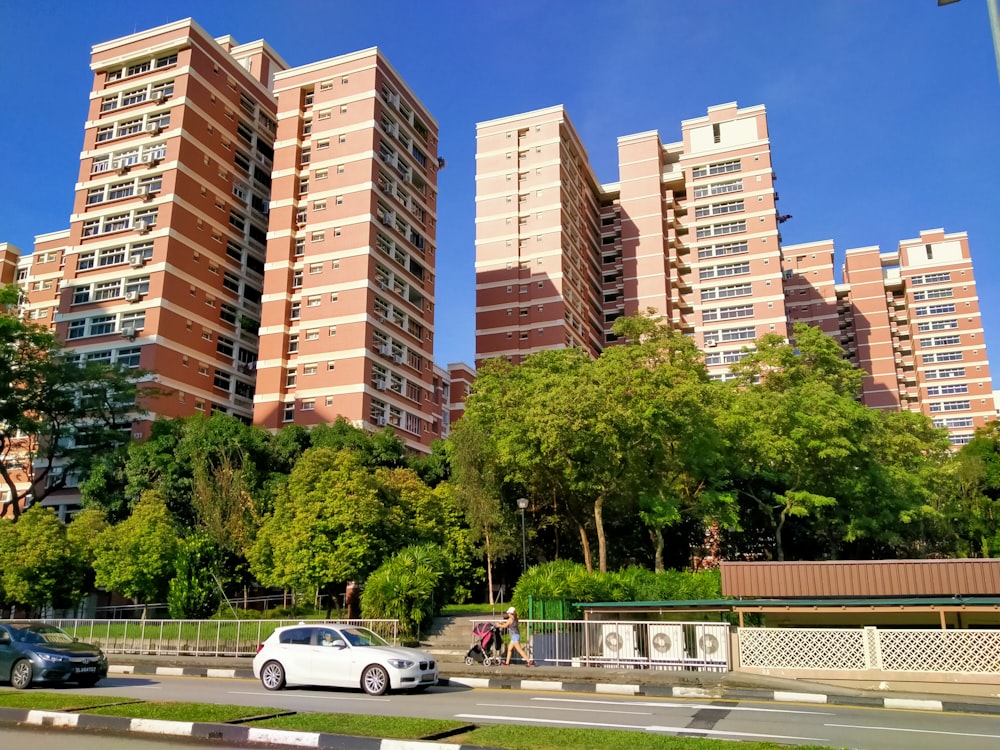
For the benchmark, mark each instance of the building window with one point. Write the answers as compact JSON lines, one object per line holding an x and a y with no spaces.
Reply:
{"x":723,"y":167}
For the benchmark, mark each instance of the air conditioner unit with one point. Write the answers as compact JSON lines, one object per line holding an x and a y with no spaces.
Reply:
{"x":380,"y":421}
{"x":142,"y":190}
{"x":385,"y":351}
{"x":711,"y":344}
{"x":665,"y":642}
{"x":710,"y":643}
{"x":151,"y":160}
{"x":398,"y":359}
{"x":381,"y":384}
{"x":154,"y":128}
{"x":137,"y":261}
{"x":122,"y":167}
{"x":143,"y":226}
{"x":128,"y":332}
{"x":618,"y":642}
{"x":132,"y":296}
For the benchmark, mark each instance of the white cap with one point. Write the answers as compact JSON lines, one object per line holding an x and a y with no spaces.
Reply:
{"x":511,"y":611}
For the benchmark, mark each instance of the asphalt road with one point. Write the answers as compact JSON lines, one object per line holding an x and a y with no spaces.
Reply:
{"x":834,"y":726}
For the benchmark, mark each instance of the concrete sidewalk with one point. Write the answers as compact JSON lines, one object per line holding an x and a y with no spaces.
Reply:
{"x":644,"y":682}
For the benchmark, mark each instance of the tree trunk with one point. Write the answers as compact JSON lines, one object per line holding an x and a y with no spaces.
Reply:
{"x":779,"y":550}
{"x":657,"y":535}
{"x":585,"y":542}
{"x":489,"y":568}
{"x":602,"y":542}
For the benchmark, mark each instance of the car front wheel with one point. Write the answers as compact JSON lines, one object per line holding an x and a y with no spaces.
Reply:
{"x":272,"y":676}
{"x":20,"y":675}
{"x":375,"y":680}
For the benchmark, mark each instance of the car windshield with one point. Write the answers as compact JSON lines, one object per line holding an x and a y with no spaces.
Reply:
{"x":45,"y":634}
{"x":362,"y":637}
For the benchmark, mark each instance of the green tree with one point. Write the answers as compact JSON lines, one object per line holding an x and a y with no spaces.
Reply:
{"x":410,"y":587}
{"x":69,"y":411}
{"x":82,"y":533}
{"x":37,"y":563}
{"x":478,"y":493}
{"x":327,"y":526}
{"x":585,"y":437}
{"x":136,"y":558}
{"x":971,"y":511}
{"x":801,"y":443}
{"x":380,"y":448}
{"x":194,"y":592}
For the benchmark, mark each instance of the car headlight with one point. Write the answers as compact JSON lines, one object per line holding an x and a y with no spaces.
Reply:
{"x":400,"y":663}
{"x":52,"y":658}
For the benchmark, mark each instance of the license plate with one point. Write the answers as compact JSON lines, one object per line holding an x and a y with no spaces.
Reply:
{"x":86,"y":669}
{"x":427,"y":678}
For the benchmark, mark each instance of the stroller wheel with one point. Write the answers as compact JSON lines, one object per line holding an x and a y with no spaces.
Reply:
{"x":469,"y":660}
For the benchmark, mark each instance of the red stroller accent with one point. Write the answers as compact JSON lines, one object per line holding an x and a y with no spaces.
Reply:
{"x":488,"y":646}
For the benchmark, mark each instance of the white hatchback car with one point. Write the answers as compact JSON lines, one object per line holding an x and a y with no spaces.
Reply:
{"x":340,"y":656}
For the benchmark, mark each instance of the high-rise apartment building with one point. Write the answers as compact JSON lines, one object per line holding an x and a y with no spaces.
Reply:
{"x":348,"y":314}
{"x":162,"y":265}
{"x":691,"y":231}
{"x":260,"y":238}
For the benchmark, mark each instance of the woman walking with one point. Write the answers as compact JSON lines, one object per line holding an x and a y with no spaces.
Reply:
{"x":513,"y":628}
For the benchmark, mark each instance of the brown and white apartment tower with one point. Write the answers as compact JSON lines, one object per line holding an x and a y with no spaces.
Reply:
{"x":692,"y":231}
{"x":348,"y":310}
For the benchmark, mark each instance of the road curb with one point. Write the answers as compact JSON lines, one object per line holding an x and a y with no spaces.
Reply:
{"x":228,"y":733}
{"x":539,"y":682}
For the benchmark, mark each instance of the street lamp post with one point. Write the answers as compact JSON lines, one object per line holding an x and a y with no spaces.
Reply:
{"x":522,"y":503}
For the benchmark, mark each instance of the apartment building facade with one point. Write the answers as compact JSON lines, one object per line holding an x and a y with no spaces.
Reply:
{"x":689,"y":230}
{"x":162,"y":265}
{"x":692,"y":231}
{"x":348,"y":313}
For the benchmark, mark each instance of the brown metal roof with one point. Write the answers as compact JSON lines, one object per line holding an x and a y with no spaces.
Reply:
{"x":853,"y":578}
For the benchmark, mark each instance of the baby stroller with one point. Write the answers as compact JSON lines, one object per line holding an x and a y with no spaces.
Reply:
{"x":488,"y":645}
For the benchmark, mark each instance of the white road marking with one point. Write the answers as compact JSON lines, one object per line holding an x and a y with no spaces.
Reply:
{"x":562,"y":708}
{"x":692,"y":706}
{"x":365,"y":698}
{"x":792,"y":697}
{"x":925,"y":705}
{"x":915,"y":731}
{"x":677,"y":730}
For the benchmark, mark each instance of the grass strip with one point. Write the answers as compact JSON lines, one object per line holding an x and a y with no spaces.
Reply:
{"x":58,"y":702}
{"x":205,"y":712}
{"x":553,"y":738}
{"x":390,"y":727}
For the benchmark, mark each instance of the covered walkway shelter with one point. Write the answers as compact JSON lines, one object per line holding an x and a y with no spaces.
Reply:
{"x":946,"y":594}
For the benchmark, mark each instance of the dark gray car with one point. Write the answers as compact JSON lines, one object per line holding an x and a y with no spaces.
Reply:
{"x":44,"y":654}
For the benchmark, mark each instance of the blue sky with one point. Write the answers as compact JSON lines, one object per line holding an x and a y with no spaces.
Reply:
{"x":884,"y":116}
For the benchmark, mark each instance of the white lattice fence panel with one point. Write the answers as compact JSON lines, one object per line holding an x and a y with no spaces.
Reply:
{"x":802,"y":648}
{"x":975,"y":651}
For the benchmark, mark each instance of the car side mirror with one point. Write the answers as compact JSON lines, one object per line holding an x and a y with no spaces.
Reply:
{"x":339,"y":643}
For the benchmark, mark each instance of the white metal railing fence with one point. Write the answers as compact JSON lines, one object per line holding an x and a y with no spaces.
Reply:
{"x":192,"y":637}
{"x":634,"y":644}
{"x":857,"y":649}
